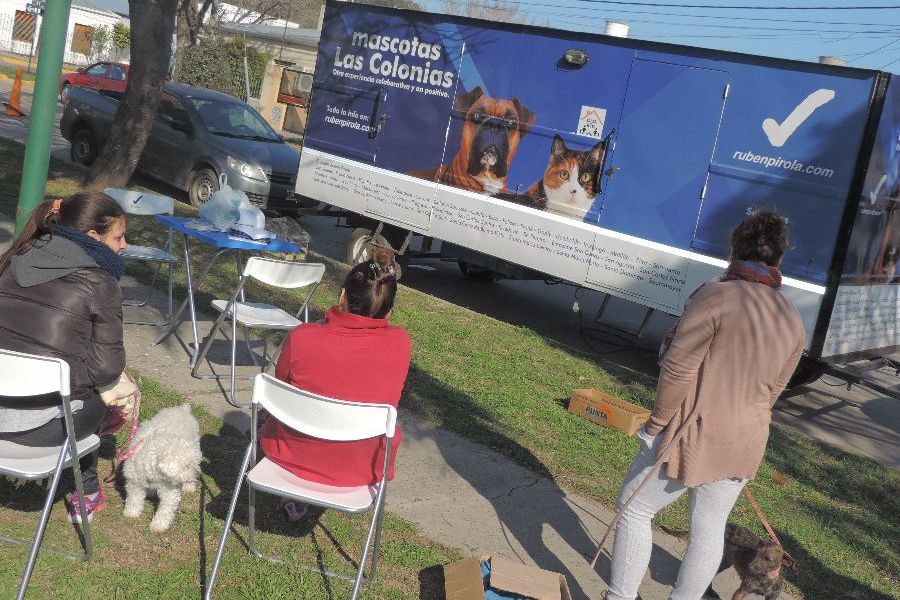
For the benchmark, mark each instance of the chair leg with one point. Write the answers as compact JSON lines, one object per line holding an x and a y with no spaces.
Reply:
{"x":170,"y":303}
{"x":379,"y":506}
{"x":233,"y":350}
{"x":234,"y":498}
{"x":251,"y":522}
{"x":42,"y":524}
{"x":377,"y":546}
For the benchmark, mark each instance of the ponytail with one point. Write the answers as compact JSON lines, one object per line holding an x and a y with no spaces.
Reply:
{"x":84,"y":211}
{"x":35,"y":227}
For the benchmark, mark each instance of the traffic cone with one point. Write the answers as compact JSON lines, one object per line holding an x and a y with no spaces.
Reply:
{"x":14,"y":106}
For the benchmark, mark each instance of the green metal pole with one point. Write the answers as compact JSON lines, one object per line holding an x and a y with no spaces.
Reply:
{"x":43,"y":108}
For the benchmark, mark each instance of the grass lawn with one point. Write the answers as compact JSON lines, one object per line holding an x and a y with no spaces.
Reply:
{"x":131,"y":562}
{"x":505,"y":387}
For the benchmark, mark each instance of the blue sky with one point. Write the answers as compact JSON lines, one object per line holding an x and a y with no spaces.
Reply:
{"x":866,"y":38}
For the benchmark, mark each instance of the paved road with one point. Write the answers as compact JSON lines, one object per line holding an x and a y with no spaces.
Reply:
{"x":857,"y":420}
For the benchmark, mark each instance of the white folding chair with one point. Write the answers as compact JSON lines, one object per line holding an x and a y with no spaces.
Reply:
{"x":143,"y":204}
{"x":28,"y":375}
{"x":258,"y":315}
{"x":323,"y":418}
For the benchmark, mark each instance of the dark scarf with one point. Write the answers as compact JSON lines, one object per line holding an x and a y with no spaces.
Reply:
{"x":101,"y":254}
{"x":746,"y":270}
{"x":738,"y":270}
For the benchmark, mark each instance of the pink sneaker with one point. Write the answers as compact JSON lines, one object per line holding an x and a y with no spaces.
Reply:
{"x":91,"y":506}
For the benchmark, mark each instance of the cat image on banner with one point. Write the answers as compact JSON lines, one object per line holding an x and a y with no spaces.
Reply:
{"x":568,"y":185}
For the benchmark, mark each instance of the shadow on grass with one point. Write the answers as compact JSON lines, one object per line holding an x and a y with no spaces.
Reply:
{"x":223,"y":453}
{"x":524,"y":515}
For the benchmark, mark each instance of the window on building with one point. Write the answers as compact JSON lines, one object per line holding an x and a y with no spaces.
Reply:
{"x":23,"y":27}
{"x":82,"y":39}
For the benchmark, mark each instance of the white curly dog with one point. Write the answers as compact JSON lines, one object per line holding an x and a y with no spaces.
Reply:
{"x":166,"y":460}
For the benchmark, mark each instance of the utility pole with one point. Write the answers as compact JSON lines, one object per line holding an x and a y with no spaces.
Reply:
{"x":43,"y":108}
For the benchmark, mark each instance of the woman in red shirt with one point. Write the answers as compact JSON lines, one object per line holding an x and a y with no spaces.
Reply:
{"x":354,"y":354}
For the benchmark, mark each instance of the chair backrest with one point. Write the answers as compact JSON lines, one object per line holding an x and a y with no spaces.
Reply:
{"x":284,"y":273}
{"x":30,"y":375}
{"x":321,"y":417}
{"x":134,"y":202}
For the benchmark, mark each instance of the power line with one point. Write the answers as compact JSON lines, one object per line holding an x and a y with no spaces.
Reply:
{"x":741,"y":27}
{"x":754,"y":7}
{"x":617,"y":11}
{"x":876,"y":50}
{"x":738,"y":18}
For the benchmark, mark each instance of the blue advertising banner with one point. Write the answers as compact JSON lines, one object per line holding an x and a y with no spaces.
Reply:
{"x":611,"y":163}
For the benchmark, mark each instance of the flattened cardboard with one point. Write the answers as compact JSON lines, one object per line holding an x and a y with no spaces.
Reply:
{"x":523,"y":580}
{"x":463,"y":581}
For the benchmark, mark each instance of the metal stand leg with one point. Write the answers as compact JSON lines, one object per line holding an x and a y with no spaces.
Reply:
{"x":234,"y":498}
{"x":175,"y":320}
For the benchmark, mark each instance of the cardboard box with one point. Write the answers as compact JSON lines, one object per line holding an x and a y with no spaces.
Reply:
{"x":608,"y":411}
{"x":463,"y":581}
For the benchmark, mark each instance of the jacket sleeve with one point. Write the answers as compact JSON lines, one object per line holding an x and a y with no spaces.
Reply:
{"x":105,"y":359}
{"x":786,"y":372}
{"x":681,"y":363}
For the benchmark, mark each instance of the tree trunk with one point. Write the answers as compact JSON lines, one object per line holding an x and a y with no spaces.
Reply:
{"x":152,"y":26}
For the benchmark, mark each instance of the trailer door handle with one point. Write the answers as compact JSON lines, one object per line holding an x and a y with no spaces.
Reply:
{"x":377,"y":129}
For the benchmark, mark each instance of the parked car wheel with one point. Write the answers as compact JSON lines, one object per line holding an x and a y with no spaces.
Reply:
{"x":358,"y":249}
{"x":204,"y":183}
{"x":64,"y":93}
{"x":84,"y":148}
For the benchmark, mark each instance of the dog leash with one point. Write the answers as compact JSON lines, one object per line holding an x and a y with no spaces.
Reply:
{"x":126,"y":451}
{"x":762,"y":517}
{"x":660,"y":459}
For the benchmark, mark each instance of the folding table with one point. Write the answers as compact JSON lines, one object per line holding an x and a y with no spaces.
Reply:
{"x":224,"y":243}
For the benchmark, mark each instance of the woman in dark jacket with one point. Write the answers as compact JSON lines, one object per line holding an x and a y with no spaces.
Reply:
{"x":60,"y":297}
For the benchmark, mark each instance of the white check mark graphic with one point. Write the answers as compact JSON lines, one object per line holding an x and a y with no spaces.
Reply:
{"x":873,"y":195}
{"x":778,"y":133}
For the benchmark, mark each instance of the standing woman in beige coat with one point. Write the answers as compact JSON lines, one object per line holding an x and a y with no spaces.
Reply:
{"x":730,"y":358}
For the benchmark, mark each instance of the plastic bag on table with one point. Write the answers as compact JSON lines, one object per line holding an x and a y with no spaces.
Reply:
{"x":229,"y":207}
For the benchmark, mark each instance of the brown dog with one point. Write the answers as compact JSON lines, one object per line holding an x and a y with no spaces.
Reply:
{"x":491,"y":134}
{"x":757,"y":562}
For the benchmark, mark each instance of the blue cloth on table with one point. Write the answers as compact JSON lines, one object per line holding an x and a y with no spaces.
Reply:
{"x":492,"y":594}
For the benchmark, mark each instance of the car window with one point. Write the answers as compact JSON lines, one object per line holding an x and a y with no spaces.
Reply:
{"x":172,"y":107}
{"x":99,"y":70}
{"x":116,"y":73}
{"x":233,"y":119}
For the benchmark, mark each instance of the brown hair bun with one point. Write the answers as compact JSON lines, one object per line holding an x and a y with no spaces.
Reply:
{"x":371,"y":286}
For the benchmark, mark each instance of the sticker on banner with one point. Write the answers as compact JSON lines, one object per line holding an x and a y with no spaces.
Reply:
{"x":590,"y":124}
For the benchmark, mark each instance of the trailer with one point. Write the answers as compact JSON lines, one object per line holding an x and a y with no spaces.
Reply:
{"x":614,"y":164}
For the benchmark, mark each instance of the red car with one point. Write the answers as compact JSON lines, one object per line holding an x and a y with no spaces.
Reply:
{"x":99,"y":76}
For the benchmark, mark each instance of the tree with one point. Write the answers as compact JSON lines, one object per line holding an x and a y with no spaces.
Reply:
{"x":191,"y":17}
{"x":153,"y":23}
{"x":489,"y":10}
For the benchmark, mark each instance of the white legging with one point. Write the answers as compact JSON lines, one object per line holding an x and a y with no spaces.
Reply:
{"x":709,"y":507}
